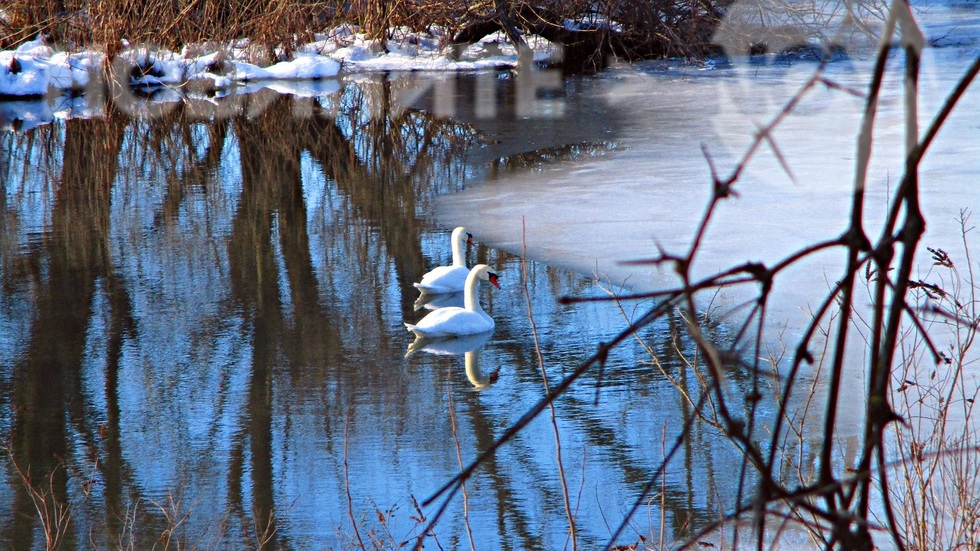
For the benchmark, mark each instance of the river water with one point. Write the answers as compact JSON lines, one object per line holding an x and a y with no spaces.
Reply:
{"x":650,"y":194}
{"x":203,"y":314}
{"x":202,"y":307}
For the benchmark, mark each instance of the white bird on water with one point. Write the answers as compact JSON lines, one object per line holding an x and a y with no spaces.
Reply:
{"x":448,"y":279}
{"x":453,"y":320}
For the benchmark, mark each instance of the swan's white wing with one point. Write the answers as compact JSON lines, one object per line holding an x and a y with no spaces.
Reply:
{"x":446,"y":322}
{"x":444,"y":279}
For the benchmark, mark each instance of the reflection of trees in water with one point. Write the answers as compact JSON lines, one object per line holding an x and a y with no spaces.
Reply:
{"x":45,"y":411}
{"x":619,"y":444}
{"x":290,"y":234}
{"x":123,"y":184}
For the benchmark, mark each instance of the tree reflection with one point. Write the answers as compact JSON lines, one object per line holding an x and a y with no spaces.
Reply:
{"x":208,"y":297}
{"x":73,"y":258}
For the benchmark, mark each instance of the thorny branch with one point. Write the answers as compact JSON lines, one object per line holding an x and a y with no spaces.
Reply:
{"x":839,"y":504}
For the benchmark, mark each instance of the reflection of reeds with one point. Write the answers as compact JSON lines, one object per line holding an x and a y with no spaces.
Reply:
{"x":31,"y":165}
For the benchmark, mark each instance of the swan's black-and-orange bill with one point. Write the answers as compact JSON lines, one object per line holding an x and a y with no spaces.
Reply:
{"x":493,"y":279}
{"x":469,"y":238}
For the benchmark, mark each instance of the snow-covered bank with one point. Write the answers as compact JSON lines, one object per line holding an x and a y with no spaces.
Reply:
{"x":39,"y":84}
{"x":36,"y":68}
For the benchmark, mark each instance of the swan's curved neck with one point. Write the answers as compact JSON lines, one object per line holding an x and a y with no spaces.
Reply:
{"x":470,"y":299}
{"x":458,"y":258}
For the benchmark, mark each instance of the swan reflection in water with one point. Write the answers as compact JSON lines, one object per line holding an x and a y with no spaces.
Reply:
{"x":478,"y":379}
{"x":470,"y":346}
{"x":431,"y":301}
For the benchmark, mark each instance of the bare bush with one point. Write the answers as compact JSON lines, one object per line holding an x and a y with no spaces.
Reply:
{"x":277,"y":25}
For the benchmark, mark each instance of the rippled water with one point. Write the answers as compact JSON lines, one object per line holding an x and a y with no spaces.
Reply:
{"x":204,"y":315}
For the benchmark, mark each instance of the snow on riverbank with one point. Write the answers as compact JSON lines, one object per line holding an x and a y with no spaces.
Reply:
{"x":38,"y":68}
{"x":35,"y":68}
{"x":39,"y":84}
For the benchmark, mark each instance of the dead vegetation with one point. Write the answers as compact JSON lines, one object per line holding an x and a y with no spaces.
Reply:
{"x":588,"y":33}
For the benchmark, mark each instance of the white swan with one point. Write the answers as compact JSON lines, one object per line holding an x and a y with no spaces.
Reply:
{"x":448,"y":279}
{"x":453,"y":320}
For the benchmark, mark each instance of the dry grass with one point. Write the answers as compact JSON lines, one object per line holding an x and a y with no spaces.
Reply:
{"x":54,"y":515}
{"x":646,"y":28}
{"x":936,"y":450}
{"x":275,"y":25}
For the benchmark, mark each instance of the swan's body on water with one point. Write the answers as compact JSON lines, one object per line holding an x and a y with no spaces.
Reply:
{"x":453,"y":320}
{"x":448,"y":279}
